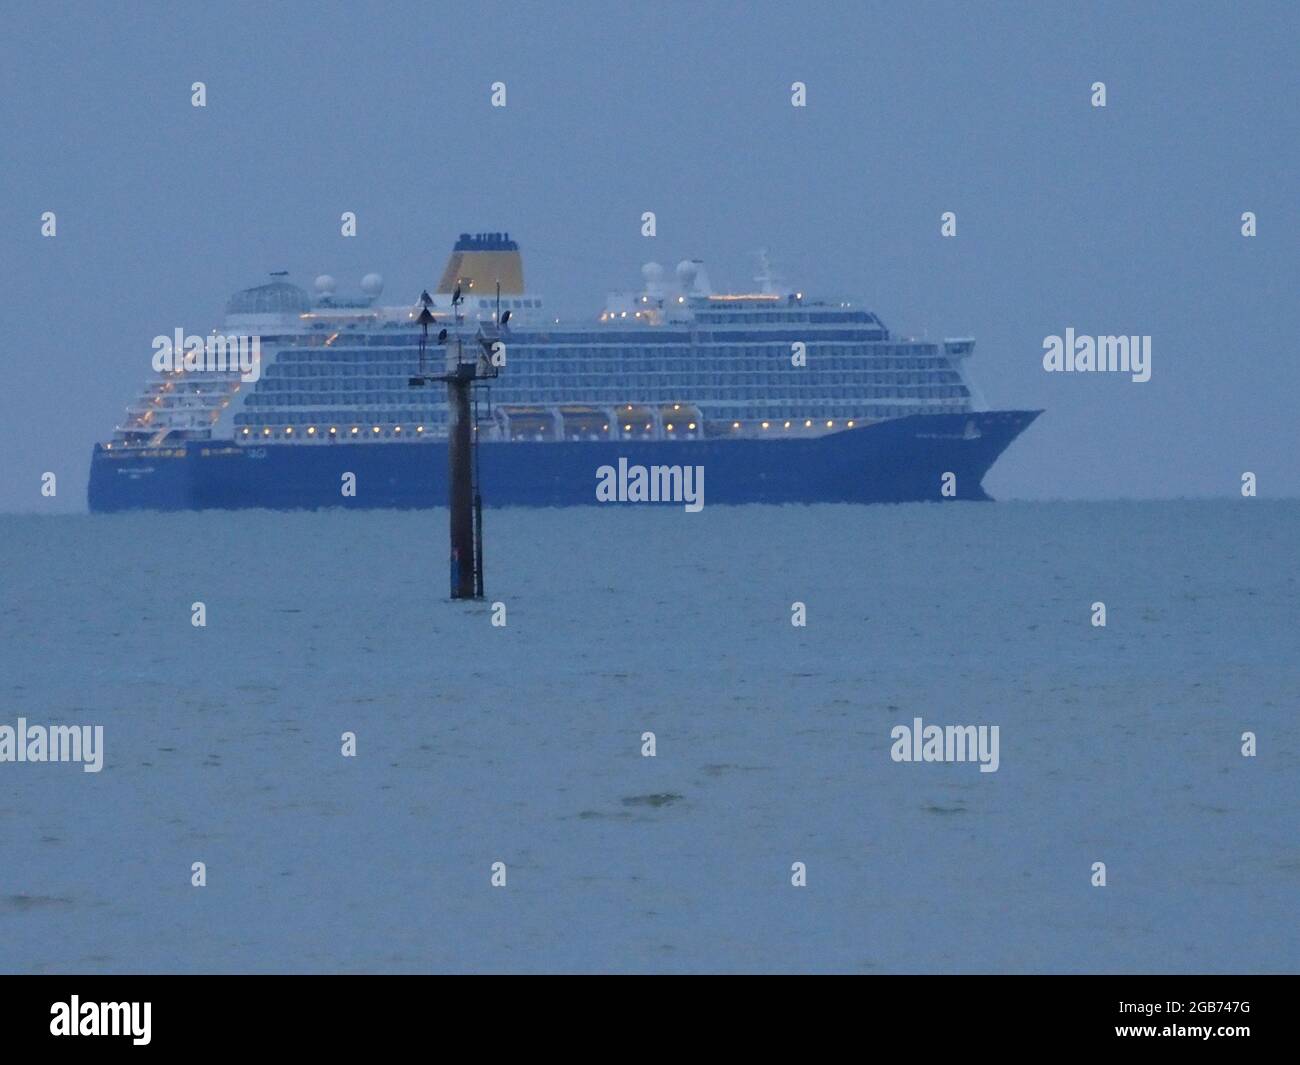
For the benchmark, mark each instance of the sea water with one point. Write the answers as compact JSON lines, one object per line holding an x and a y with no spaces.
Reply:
{"x":522,"y":743}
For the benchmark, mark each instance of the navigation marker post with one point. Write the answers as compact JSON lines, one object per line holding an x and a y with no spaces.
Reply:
{"x":463,"y":491}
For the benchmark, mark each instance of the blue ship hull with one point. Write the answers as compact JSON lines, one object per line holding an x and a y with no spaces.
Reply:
{"x":896,"y":461}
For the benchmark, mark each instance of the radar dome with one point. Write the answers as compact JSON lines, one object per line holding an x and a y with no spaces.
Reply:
{"x":325,"y":285}
{"x":652,"y":273}
{"x":686,"y":271}
{"x":372,"y":285}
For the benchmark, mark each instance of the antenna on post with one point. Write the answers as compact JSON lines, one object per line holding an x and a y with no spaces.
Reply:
{"x":426,"y":319}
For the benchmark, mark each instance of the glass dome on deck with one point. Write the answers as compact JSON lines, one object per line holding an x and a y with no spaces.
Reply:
{"x":278,"y":297}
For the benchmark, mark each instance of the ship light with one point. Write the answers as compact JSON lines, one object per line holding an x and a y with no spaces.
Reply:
{"x":354,"y":430}
{"x":637,"y":315}
{"x":398,"y":429}
{"x":419,"y":428}
{"x":333,"y":430}
{"x":691,"y":426}
{"x":376,"y":428}
{"x":787,"y":425}
{"x":288,"y":431}
{"x":245,"y":432}
{"x":670,"y":427}
{"x":735,"y":425}
{"x":808,"y":424}
{"x":605,"y":428}
{"x":647,"y":425}
{"x":627,"y":428}
{"x":765,"y":425}
{"x":677,"y":406}
{"x":266,"y":432}
{"x":830,"y":425}
{"x":850,"y":425}
{"x":681,"y":299}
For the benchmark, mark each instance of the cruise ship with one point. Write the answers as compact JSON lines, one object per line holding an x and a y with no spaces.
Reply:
{"x":779,"y":396}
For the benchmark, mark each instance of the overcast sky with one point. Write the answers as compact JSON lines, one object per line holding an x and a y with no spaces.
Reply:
{"x":1122,"y":220}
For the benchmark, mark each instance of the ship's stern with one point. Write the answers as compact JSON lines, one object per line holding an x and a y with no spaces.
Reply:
{"x":134,"y":478}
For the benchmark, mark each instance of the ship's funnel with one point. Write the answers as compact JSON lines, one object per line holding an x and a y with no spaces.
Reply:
{"x":478,"y":262}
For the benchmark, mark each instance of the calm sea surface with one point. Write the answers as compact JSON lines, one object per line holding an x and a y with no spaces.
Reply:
{"x":522,"y":744}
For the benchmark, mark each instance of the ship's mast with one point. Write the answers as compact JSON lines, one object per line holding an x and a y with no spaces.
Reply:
{"x":766,"y":282}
